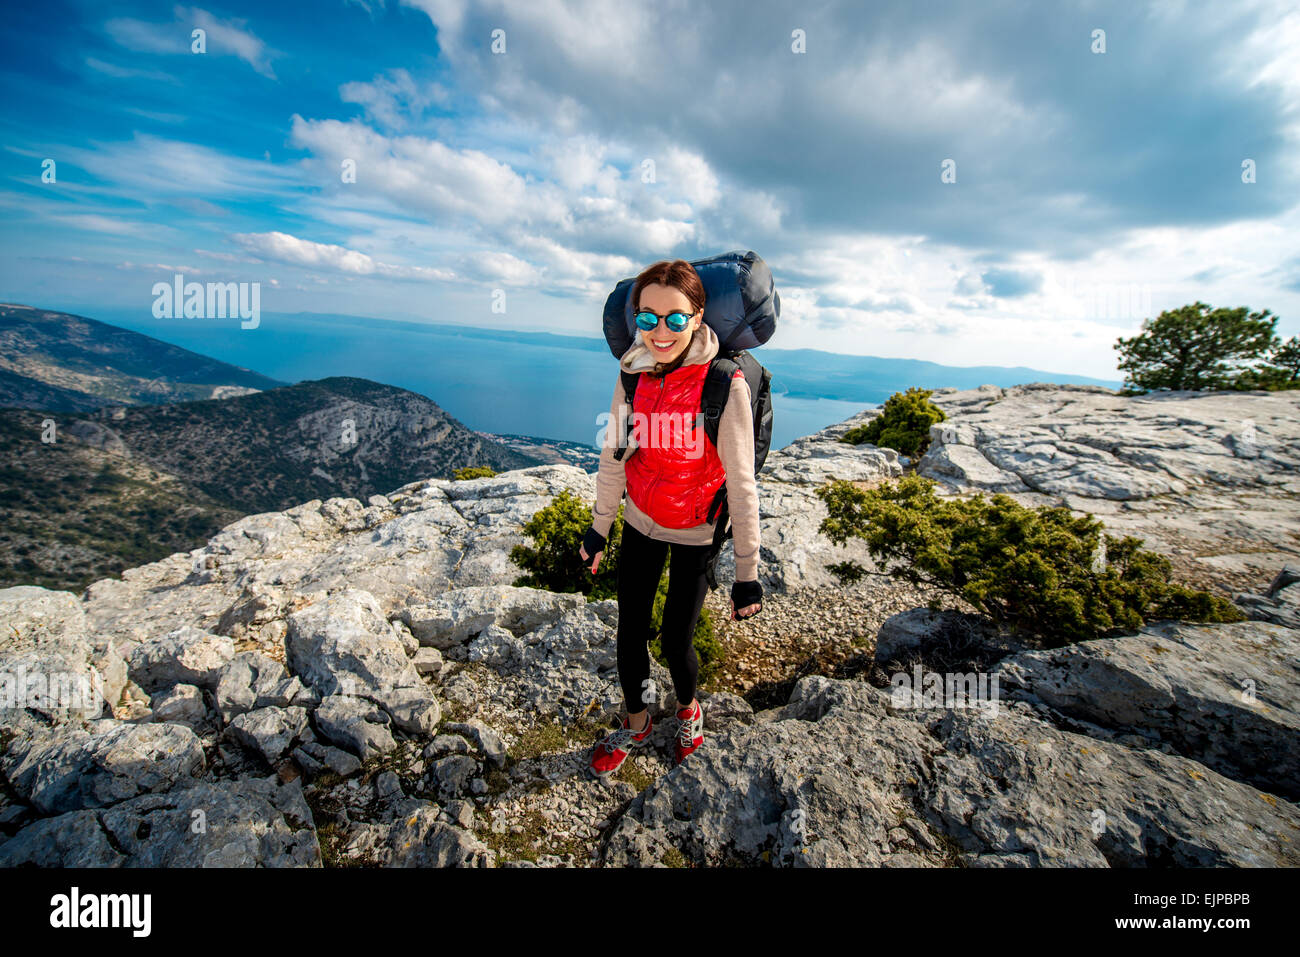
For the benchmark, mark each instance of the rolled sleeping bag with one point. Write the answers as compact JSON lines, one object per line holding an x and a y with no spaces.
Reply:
{"x":741,"y":304}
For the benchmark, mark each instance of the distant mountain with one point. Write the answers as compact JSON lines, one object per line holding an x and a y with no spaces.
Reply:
{"x":811,"y":373}
{"x":61,"y":362}
{"x":333,"y":437}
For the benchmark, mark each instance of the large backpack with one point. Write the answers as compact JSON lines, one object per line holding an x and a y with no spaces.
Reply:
{"x":741,"y":304}
{"x":741,"y":307}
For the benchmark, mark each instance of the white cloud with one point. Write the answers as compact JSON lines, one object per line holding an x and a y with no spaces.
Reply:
{"x":284,"y":248}
{"x":142,"y":37}
{"x":150,"y":166}
{"x":423,"y":174}
{"x":230,"y":35}
{"x":223,"y":257}
{"x":156,"y":115}
{"x":577,"y":163}
{"x":162,"y":267}
{"x":224,"y":37}
{"x":370,"y":6}
{"x":587,"y":206}
{"x":124,"y":72}
{"x":919,"y":90}
{"x":609,"y":37}
{"x":499,"y":266}
{"x":690,"y":176}
{"x":394,"y":100}
{"x":113,"y":224}
{"x":579,"y":272}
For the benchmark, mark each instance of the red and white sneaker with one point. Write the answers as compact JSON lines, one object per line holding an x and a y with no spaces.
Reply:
{"x":690,"y":732}
{"x":608,"y":754}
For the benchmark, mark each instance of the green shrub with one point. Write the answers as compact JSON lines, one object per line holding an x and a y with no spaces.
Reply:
{"x":902,"y":425}
{"x":552,"y":562}
{"x":473,"y":472}
{"x":1042,"y":570}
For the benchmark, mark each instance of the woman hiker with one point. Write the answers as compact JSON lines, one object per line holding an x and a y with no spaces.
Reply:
{"x":671,"y":478}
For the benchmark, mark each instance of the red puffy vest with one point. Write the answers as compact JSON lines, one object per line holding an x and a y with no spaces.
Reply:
{"x":675,"y":471}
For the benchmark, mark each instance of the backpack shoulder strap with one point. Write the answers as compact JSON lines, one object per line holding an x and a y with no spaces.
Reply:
{"x":630,"y":379}
{"x":753,"y":370}
{"x":713,"y":398}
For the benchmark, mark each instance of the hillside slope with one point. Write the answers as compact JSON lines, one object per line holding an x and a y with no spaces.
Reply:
{"x":74,"y":513}
{"x":58,"y":361}
{"x":331,"y":437}
{"x":125,"y":486}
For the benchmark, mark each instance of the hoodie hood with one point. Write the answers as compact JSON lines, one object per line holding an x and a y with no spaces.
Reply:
{"x":703,"y":347}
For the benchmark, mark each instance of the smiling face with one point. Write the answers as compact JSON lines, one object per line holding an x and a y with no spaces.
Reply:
{"x":664,"y":344}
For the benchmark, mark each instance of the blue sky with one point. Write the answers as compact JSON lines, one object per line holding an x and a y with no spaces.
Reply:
{"x":1092,"y":189}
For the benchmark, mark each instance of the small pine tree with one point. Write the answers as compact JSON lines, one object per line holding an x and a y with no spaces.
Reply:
{"x":553,"y":562}
{"x":902,"y":425}
{"x":1195,"y":347}
{"x":1033,"y":569}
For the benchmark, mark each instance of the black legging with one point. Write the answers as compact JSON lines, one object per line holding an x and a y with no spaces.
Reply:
{"x":640,"y":566}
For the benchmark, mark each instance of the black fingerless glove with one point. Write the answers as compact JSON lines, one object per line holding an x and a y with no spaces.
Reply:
{"x":593,"y":542}
{"x":744,"y":594}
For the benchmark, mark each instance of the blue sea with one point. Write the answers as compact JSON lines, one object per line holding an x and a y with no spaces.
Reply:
{"x":536,"y":384}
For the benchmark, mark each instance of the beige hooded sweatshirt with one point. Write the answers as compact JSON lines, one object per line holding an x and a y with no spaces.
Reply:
{"x":735,"y":449}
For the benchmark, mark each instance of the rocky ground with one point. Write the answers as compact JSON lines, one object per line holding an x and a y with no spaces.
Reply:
{"x":351,"y":683}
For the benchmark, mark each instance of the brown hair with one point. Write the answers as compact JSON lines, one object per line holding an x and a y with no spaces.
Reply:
{"x":680,"y":275}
